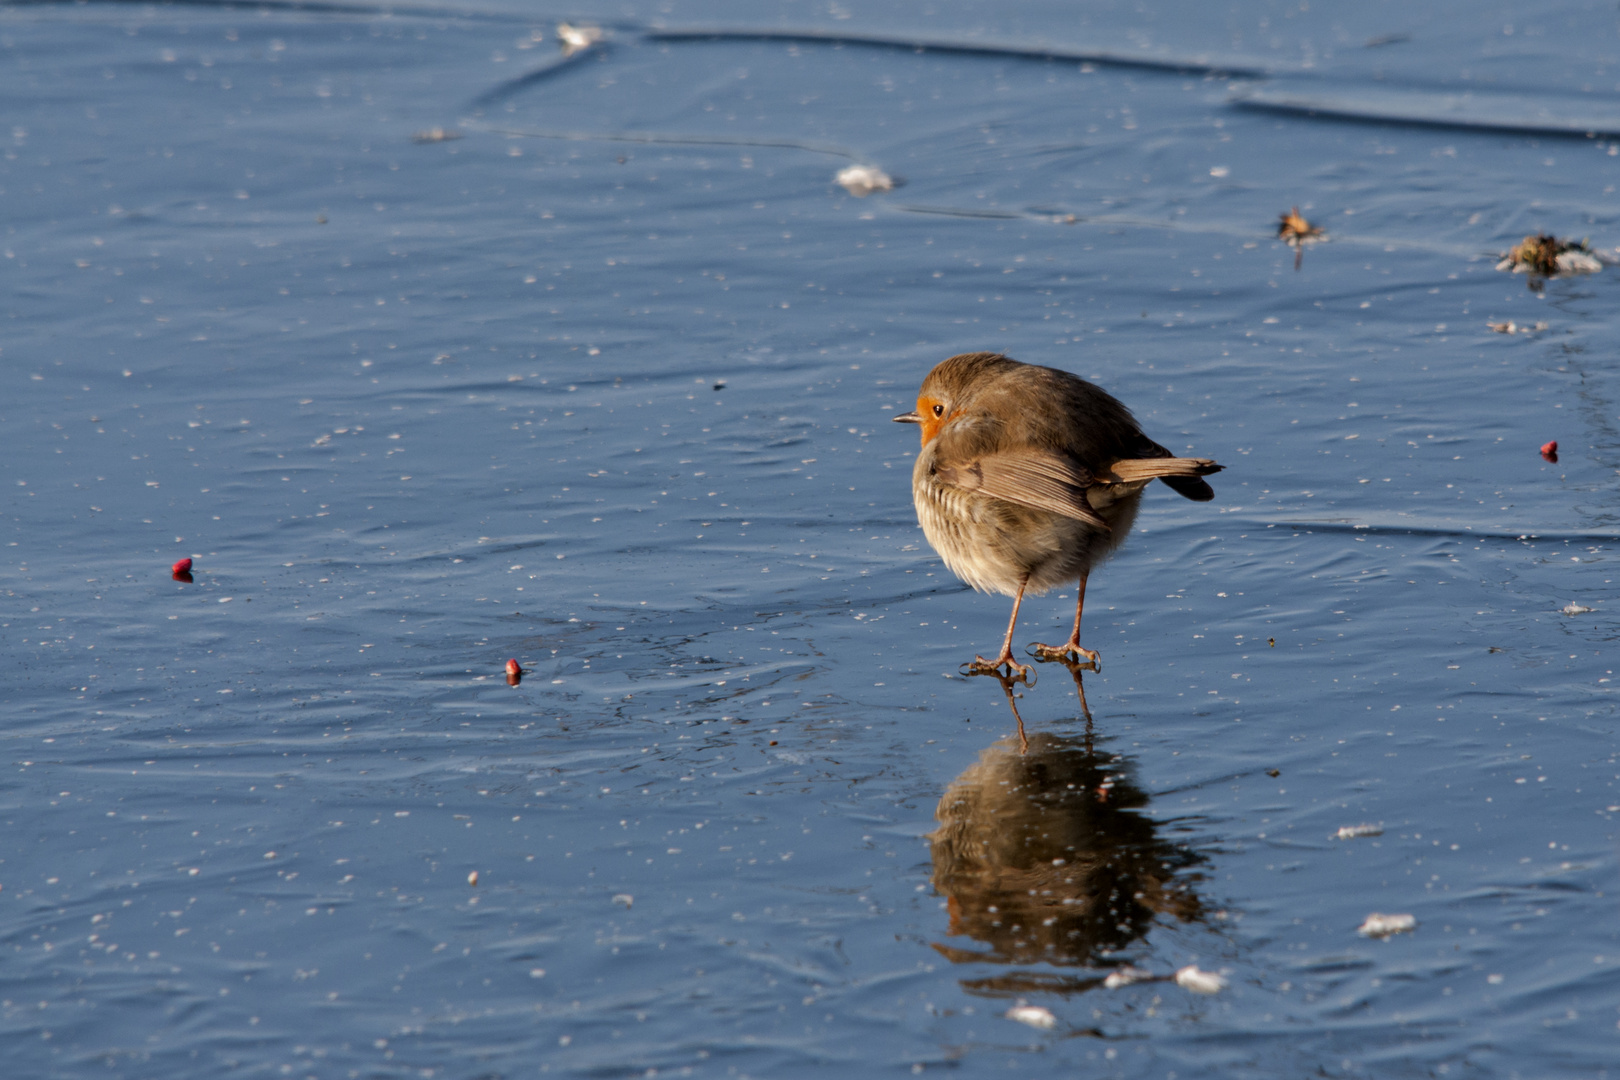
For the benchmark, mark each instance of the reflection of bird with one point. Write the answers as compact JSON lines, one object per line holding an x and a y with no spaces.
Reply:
{"x":1044,"y":857}
{"x":1028,"y":477}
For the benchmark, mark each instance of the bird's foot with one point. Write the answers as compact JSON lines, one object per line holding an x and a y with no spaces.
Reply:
{"x":1070,"y":648}
{"x":1015,"y":672}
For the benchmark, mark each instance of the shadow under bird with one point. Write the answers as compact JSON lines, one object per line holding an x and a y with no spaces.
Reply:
{"x":1028,"y":477}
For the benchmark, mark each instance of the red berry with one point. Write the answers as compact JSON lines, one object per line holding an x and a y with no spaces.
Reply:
{"x":182,"y":566}
{"x":1550,"y":451}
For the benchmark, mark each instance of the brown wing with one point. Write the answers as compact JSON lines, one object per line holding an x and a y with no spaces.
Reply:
{"x":1031,"y":478}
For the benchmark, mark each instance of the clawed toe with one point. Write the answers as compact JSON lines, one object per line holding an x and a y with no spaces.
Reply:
{"x":1065,"y":651}
{"x":1015,"y":671}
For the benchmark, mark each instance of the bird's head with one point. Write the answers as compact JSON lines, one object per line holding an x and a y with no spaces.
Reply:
{"x":931,"y":413}
{"x":945,"y":390}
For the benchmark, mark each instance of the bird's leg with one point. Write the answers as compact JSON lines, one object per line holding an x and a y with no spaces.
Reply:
{"x":981,"y":666}
{"x":1061,"y":652}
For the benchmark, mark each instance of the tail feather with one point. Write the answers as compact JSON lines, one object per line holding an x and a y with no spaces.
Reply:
{"x":1190,"y":487}
{"x":1182,"y":475}
{"x":1135,"y":469}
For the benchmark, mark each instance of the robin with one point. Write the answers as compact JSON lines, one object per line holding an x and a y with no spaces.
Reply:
{"x":1028,"y":477}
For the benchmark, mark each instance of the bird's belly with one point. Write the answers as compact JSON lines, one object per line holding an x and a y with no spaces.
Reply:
{"x":994,"y":545}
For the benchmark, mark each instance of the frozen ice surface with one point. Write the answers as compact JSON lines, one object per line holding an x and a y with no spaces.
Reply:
{"x":603,"y":385}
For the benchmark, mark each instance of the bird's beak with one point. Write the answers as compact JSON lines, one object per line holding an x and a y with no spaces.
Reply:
{"x":906,"y":418}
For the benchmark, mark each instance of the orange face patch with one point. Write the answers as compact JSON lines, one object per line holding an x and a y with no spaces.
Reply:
{"x":933,"y":416}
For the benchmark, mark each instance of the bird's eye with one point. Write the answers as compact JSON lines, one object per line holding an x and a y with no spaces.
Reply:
{"x":939,"y":410}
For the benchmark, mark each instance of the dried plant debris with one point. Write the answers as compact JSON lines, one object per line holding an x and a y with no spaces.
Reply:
{"x":436,"y":134}
{"x":575,"y":39}
{"x":1194,"y":978}
{"x":1511,"y":327}
{"x":1296,"y":232}
{"x":1545,"y":255}
{"x":1191,"y":977}
{"x":1351,"y":832}
{"x":1384,"y":926}
{"x":1125,"y":976}
{"x":1033,"y":1015}
{"x":862,"y":180}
